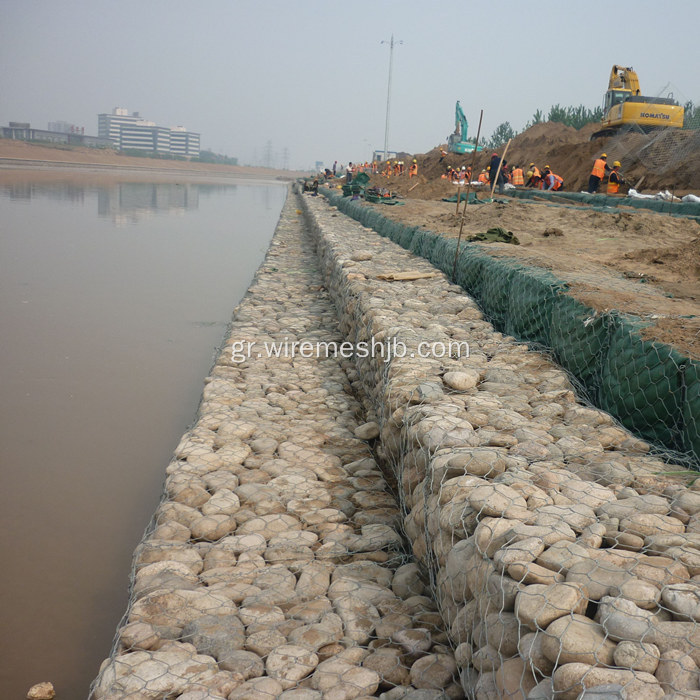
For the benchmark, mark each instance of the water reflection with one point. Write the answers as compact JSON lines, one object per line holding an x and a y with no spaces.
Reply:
{"x":107,"y":335}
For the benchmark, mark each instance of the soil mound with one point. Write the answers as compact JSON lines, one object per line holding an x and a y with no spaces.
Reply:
{"x":662,"y":160}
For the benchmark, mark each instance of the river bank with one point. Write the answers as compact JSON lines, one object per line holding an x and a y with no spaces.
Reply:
{"x":547,"y":541}
{"x":22,"y":153}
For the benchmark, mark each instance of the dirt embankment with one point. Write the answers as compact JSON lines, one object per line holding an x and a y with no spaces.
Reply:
{"x":632,"y":260}
{"x":77,"y":155}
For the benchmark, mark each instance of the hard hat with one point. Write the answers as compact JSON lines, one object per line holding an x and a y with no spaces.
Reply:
{"x":494,"y":154}
{"x":463,"y":167}
{"x":414,"y":160}
{"x":604,"y":155}
{"x":546,"y":167}
{"x":532,"y":165}
{"x":617,"y":164}
{"x":488,"y":167}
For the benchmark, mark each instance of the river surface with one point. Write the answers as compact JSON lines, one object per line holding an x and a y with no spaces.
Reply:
{"x":115,"y":293}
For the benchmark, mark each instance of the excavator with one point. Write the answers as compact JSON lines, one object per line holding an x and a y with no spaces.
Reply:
{"x":457,"y":141}
{"x":624,"y":105}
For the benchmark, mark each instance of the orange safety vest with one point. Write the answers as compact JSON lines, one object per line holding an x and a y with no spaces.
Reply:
{"x":599,"y":168}
{"x":558,"y":181}
{"x":613,"y":185}
{"x":535,"y":172}
{"x":518,"y":176}
{"x":483,"y":177}
{"x":413,"y":170}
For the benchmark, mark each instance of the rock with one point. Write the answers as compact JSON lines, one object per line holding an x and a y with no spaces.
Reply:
{"x":215,"y":635}
{"x":683,"y":600}
{"x":407,"y":582}
{"x":650,"y":524}
{"x":643,"y":594}
{"x":289,"y":663}
{"x":359,"y":618}
{"x":533,"y":573}
{"x":435,"y":671}
{"x":388,"y":664}
{"x":523,"y":551}
{"x":153,"y":674}
{"x":257,"y":689}
{"x":537,"y":606}
{"x":264,"y":641}
{"x":462,"y":380}
{"x":41,"y":691}
{"x":572,"y":679}
{"x":367,"y":431}
{"x":677,"y":671}
{"x":530,"y":651}
{"x":248,"y":664}
{"x":577,"y":639}
{"x":178,"y":608}
{"x":623,"y":620}
{"x":340,"y":680}
{"x":637,"y":656}
{"x":514,"y":679}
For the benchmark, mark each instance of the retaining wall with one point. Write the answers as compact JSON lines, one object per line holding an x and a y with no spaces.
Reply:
{"x":552,"y":551}
{"x":650,"y":387}
{"x":562,"y":555}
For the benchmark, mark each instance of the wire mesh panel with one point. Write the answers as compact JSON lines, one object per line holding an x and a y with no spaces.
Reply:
{"x":560,"y":549}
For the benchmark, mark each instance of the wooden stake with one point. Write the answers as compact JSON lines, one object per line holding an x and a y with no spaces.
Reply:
{"x":498,"y":169}
{"x":466,"y":201}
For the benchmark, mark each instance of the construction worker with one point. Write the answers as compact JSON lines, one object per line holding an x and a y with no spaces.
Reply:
{"x":551,"y":181}
{"x":483,"y":177}
{"x":534,"y":177}
{"x":413,"y":170}
{"x":615,"y":179}
{"x":600,"y":168}
{"x":534,"y":180}
{"x":517,"y":175}
{"x":443,"y":153}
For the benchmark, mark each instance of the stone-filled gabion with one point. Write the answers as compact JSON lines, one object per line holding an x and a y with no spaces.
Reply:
{"x":562,"y":553}
{"x":275,"y":566}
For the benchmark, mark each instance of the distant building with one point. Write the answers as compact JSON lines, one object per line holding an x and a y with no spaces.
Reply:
{"x":22,"y":131}
{"x":132,"y":132}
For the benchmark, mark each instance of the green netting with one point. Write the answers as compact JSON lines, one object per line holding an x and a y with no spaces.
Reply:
{"x":691,"y":407}
{"x":649,"y":386}
{"x":530,"y":309}
{"x":579,"y":340}
{"x":641,"y":384}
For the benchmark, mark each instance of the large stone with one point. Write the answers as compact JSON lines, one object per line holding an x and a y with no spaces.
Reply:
{"x":178,"y":608}
{"x":677,"y":672}
{"x":683,"y":600}
{"x":537,"y":606}
{"x":289,"y":663}
{"x":215,"y":635}
{"x":572,"y":679}
{"x":435,"y":671}
{"x":577,"y":639}
{"x":637,"y":656}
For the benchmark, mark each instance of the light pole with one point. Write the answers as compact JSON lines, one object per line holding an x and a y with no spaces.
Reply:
{"x":388,"y":95}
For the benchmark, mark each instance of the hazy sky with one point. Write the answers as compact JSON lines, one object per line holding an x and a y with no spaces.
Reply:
{"x":310,"y":78}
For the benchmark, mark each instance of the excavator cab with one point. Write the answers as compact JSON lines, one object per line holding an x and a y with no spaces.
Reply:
{"x":624,"y":105}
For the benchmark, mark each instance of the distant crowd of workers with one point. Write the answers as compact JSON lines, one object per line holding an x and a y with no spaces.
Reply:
{"x":534,"y":177}
{"x":496,"y":174}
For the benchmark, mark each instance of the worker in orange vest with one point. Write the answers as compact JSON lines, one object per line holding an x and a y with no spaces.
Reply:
{"x":615,"y":178}
{"x":551,"y":181}
{"x":600,"y":168}
{"x":517,"y":174}
{"x":483,"y":177}
{"x":534,"y":177}
{"x":413,"y":170}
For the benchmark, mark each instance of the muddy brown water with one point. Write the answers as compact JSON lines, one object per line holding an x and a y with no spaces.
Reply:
{"x":113,"y":299}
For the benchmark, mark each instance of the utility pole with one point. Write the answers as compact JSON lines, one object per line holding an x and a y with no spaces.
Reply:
{"x":388,"y":94}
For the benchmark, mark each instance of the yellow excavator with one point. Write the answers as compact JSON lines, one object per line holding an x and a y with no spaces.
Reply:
{"x":624,"y":105}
